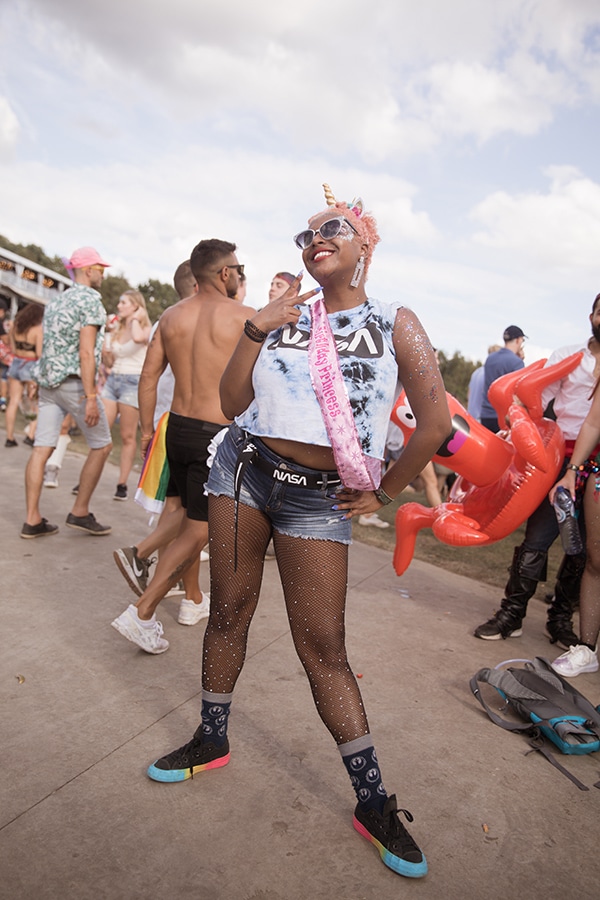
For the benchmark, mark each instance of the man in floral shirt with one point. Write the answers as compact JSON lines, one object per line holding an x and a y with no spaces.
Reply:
{"x":66,"y":373}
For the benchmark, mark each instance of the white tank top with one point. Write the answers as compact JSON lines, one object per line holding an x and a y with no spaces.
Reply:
{"x":129,"y":357}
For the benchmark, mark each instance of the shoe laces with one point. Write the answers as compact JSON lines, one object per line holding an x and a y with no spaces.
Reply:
{"x":578,"y":653}
{"x":403,"y":841}
{"x":398,"y":833}
{"x":146,"y":563}
{"x":180,"y":758}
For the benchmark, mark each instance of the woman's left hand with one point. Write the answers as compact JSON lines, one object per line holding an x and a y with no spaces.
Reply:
{"x":356,"y":503}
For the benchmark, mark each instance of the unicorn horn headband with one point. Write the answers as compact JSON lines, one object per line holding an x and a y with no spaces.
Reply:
{"x":356,"y":206}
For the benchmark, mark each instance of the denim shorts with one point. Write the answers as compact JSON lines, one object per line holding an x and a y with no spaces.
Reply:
{"x":293,"y":510}
{"x":122,"y":389}
{"x":20,"y":369}
{"x":55,"y":403}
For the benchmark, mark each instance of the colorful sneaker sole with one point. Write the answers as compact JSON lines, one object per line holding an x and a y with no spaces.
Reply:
{"x":400,"y":866}
{"x":171,"y":775}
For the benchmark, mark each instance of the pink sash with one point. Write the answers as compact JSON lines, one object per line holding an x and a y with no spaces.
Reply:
{"x":357,"y":470}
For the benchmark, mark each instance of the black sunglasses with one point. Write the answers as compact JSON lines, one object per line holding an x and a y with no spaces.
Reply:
{"x":238,"y":266}
{"x":328,"y":230}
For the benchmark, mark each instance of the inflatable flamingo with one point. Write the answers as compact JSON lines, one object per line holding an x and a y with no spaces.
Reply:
{"x":502,"y":477}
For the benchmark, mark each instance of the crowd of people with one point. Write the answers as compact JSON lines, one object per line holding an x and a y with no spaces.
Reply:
{"x":273,"y":426}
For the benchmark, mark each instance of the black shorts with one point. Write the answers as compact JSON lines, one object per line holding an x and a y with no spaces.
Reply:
{"x":187,"y":451}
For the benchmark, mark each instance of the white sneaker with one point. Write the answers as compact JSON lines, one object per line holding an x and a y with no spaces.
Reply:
{"x":51,"y":477}
{"x":148,"y":637}
{"x":374,"y":520}
{"x":191,"y":613}
{"x":576,"y":661}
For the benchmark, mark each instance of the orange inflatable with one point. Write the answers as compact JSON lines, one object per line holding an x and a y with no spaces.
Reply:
{"x":502,"y":477}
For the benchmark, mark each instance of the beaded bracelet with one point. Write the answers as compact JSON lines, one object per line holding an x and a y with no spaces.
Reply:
{"x":254,"y":333}
{"x":576,"y":468}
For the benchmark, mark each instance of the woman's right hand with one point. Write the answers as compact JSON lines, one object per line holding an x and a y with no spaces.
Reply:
{"x":284,"y":310}
{"x":567,"y":482}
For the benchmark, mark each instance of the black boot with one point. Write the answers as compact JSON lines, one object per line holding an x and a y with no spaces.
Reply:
{"x":566,"y":598}
{"x":528,"y":567}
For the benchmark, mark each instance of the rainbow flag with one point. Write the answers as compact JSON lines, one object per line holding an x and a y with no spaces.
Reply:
{"x":152,"y":486}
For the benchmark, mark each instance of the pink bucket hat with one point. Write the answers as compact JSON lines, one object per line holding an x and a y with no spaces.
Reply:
{"x":86,"y":256}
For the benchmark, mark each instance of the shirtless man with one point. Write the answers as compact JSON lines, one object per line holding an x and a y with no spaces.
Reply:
{"x":196,"y":337}
{"x":134,"y":562}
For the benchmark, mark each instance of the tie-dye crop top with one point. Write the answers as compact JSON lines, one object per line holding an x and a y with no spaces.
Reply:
{"x":285,"y":405}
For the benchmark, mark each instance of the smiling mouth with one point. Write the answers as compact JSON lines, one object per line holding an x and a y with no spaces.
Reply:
{"x":322,"y":254}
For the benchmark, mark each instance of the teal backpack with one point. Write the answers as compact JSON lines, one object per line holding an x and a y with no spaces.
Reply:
{"x":550,"y":706}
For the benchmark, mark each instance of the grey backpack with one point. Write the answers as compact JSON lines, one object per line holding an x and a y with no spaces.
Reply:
{"x":549,"y":705}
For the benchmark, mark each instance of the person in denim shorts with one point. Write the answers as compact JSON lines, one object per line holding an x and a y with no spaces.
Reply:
{"x":275,"y":474}
{"x":124,"y":353}
{"x":26,"y":342}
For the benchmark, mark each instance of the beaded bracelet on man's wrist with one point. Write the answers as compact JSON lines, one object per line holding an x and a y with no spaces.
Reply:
{"x":254,"y":333}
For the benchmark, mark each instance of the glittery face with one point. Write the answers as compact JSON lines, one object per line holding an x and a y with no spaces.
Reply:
{"x":346,"y":233}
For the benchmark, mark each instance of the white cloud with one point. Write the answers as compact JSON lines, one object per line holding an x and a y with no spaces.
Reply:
{"x":391,"y":85}
{"x":558,"y":231}
{"x":146,"y":217}
{"x":462,"y":98}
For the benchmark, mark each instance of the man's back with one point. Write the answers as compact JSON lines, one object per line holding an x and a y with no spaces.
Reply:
{"x":497,"y":364}
{"x":199,"y":335}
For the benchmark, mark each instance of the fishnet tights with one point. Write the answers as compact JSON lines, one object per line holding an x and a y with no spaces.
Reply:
{"x":589,"y":600}
{"x":313,"y":574}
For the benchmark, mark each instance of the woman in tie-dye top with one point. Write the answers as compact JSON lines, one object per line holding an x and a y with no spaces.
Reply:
{"x":275,"y":474}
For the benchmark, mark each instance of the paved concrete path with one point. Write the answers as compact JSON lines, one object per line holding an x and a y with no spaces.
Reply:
{"x":79,"y":818}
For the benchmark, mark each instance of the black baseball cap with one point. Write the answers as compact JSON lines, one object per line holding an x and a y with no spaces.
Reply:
{"x":513,"y":332}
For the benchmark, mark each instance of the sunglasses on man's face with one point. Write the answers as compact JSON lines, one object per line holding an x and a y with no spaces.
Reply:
{"x":239,"y":267}
{"x":328,"y":230}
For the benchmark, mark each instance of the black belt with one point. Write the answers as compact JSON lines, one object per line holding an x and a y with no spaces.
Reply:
{"x":73,"y":378}
{"x":281,"y":473}
{"x":286,"y":475}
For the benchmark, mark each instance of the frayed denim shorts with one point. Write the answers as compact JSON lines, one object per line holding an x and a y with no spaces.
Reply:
{"x":293,"y":509}
{"x":122,"y":389}
{"x":21,"y":369}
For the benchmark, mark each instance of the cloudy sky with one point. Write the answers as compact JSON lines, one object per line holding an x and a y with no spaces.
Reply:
{"x":469,"y":128}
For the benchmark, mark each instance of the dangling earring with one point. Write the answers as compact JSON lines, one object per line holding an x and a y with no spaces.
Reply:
{"x":358,"y":272}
